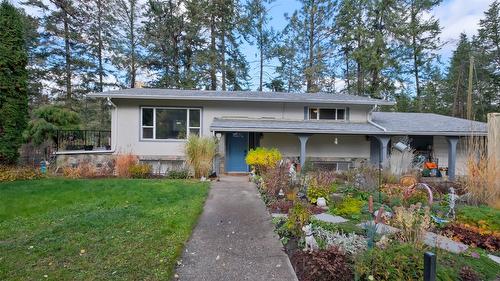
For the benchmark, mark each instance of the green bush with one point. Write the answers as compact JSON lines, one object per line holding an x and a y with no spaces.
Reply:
{"x":140,"y":171}
{"x":12,"y":173}
{"x":349,"y":207}
{"x":178,"y":174}
{"x":396,"y":262}
{"x":298,"y":216}
{"x":483,"y":217}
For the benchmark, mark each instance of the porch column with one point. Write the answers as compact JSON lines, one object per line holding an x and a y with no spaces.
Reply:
{"x":452,"y":156}
{"x":384,"y":141}
{"x":303,"y":138}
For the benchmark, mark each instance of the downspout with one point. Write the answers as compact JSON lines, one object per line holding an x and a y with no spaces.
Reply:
{"x":114,"y":131}
{"x":373,"y":123}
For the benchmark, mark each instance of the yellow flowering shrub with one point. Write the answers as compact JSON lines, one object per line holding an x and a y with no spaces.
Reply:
{"x":262,"y":158}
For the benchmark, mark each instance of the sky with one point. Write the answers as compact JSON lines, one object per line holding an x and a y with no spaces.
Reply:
{"x":455,"y":17}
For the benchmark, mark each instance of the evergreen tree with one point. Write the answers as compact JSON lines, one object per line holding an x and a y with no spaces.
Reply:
{"x":63,"y":47}
{"x":256,"y":26}
{"x":457,"y":78}
{"x":13,"y":82}
{"x":126,"y":40}
{"x":420,"y":36}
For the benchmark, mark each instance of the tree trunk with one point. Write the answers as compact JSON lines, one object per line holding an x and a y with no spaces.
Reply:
{"x":67,"y":57}
{"x":133,"y":67}
{"x":261,"y":47}
{"x":223,"y":56}
{"x":309,"y":75}
{"x":100,"y":45}
{"x":213,"y":55}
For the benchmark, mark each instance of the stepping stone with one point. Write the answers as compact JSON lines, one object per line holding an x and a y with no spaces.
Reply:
{"x":329,"y":218}
{"x":381,"y":228}
{"x":494,"y":258}
{"x":445,"y":243}
{"x":278,"y":215}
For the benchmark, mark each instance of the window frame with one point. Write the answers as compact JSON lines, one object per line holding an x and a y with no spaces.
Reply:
{"x":188,"y":127}
{"x":318,"y":115}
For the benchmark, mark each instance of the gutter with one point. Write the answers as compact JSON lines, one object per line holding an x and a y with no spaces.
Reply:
{"x":373,"y":123}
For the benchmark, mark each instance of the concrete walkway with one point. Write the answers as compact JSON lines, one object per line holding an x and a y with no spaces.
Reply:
{"x":234,"y":238}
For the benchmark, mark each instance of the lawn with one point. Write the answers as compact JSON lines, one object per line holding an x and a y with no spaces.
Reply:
{"x":58,"y":229}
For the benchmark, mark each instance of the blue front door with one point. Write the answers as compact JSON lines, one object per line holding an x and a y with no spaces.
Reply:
{"x":237,"y":148}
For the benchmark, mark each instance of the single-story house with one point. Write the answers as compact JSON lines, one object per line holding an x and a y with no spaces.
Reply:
{"x":338,"y":130}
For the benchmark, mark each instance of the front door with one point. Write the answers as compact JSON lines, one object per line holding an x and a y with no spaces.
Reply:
{"x":237,"y":148}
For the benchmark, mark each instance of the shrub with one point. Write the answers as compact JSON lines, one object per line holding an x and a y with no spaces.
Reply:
{"x":321,"y":184}
{"x":178,"y":174}
{"x":83,"y":170}
{"x":349,"y":207}
{"x":329,"y":264}
{"x":276,"y":178}
{"x":123,"y":164}
{"x":140,"y":171}
{"x":200,"y":153}
{"x":468,"y":274}
{"x":473,"y":236}
{"x":397,"y":261}
{"x":262,"y":158}
{"x":485,"y":218}
{"x":412,"y":222}
{"x":350,"y":243}
{"x":298,"y":216}
{"x":483,"y":172}
{"x":12,"y":173}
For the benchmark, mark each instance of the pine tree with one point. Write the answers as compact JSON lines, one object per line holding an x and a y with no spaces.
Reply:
{"x":420,"y":36}
{"x":256,"y":26}
{"x":457,"y":78}
{"x":13,"y":82}
{"x":62,"y":46}
{"x":126,"y":40}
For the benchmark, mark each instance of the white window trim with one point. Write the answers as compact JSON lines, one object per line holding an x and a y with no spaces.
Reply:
{"x":317,"y":115}
{"x":188,"y":128}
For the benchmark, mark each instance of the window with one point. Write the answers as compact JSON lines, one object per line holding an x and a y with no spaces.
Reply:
{"x":316,"y":113}
{"x":162,"y":123}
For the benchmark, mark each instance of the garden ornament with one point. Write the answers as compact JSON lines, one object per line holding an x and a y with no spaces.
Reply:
{"x":281,"y":193}
{"x":311,"y":244}
{"x":370,"y":204}
{"x":292,"y":172}
{"x":321,"y":202}
{"x":453,"y":197}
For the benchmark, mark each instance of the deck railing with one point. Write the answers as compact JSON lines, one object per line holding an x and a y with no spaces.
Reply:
{"x":88,"y":140}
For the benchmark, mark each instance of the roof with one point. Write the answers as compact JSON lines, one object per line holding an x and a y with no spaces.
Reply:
{"x":386,"y":123}
{"x":175,"y":94}
{"x":427,"y":124}
{"x":292,"y":126}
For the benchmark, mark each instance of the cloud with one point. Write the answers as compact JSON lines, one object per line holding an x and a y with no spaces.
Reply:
{"x":457,"y":16}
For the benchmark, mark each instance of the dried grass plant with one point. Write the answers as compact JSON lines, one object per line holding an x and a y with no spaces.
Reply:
{"x":402,"y":162}
{"x":412,"y":222}
{"x":482,"y":182}
{"x":200,"y":152}
{"x":123,"y":163}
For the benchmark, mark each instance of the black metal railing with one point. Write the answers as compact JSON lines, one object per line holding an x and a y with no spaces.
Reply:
{"x":89,"y":140}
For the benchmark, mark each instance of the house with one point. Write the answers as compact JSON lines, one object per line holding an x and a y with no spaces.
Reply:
{"x":337,"y":130}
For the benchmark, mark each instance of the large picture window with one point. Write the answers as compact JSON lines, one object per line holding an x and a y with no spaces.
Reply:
{"x":316,"y":113}
{"x":162,"y":123}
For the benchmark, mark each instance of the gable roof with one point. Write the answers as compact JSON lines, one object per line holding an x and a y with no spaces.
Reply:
{"x":175,"y":94}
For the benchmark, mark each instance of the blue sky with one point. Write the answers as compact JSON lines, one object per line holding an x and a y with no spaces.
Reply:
{"x":455,"y":16}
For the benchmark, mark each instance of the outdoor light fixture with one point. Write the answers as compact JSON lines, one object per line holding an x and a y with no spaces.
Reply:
{"x":218,"y":136}
{"x":336,"y":140}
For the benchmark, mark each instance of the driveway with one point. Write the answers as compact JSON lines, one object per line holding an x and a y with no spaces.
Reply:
{"x":234,"y":238}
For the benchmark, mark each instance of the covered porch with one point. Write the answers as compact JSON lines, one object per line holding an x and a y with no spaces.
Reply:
{"x":337,"y":145}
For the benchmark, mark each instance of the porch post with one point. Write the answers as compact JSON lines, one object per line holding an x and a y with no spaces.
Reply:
{"x":384,"y":141}
{"x":452,"y":156}
{"x":303,"y":138}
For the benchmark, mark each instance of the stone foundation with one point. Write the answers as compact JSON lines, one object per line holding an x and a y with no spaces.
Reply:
{"x":103,"y":162}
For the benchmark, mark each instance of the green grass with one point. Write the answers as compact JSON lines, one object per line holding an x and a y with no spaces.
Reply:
{"x":95,"y":229}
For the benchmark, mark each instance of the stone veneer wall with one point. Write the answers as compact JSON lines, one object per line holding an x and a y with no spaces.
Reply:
{"x":101,"y":161}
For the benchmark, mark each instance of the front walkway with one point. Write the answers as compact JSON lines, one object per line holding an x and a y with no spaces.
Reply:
{"x":234,"y":238}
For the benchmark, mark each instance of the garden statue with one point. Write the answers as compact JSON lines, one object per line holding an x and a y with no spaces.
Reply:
{"x":311,"y":244}
{"x":292,"y":172}
{"x":452,"y":199}
{"x":281,"y":194}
